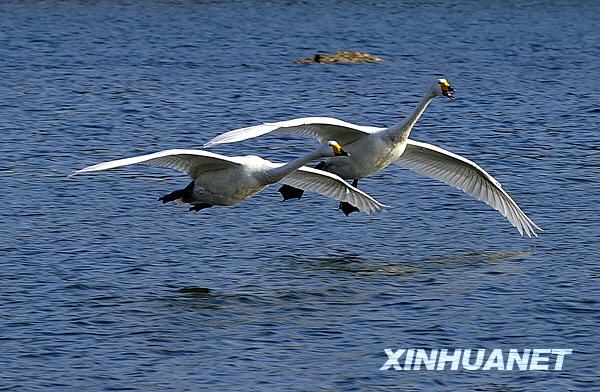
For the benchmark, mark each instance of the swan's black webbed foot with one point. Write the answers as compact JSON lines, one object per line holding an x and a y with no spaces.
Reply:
{"x":178,"y":194}
{"x":172,"y":196}
{"x":289,"y":192}
{"x":200,"y":206}
{"x":348,"y":208}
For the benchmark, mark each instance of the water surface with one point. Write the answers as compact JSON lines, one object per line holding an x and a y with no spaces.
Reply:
{"x":97,"y":278}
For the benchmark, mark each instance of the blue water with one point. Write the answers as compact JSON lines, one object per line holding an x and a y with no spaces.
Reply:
{"x":293,"y":296}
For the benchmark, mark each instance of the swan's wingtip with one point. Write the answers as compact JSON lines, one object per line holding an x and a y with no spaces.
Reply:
{"x":532,"y":232}
{"x":381,"y":208}
{"x":81,"y":171}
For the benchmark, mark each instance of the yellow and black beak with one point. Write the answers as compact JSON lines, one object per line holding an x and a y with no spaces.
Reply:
{"x":447,"y":89}
{"x":338,"y":151}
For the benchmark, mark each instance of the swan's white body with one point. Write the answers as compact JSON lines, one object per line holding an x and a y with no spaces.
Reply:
{"x":221,"y":180}
{"x":372,"y":149}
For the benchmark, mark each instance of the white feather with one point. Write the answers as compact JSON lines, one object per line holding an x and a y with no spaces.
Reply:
{"x":466,"y":175}
{"x":319,"y":128}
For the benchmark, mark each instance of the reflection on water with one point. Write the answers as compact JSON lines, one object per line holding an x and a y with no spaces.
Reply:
{"x":362,"y":265}
{"x":195,"y":291}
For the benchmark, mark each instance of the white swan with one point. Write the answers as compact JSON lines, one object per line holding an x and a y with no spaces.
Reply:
{"x":221,"y":180}
{"x":373,"y":148}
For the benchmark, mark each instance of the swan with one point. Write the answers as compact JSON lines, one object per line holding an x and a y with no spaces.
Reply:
{"x":222,"y":180}
{"x":373,"y":148}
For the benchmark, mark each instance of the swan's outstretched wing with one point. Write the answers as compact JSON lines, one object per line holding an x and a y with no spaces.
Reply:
{"x":191,"y":162}
{"x":330,"y":185}
{"x":461,"y":173}
{"x":321,"y":128}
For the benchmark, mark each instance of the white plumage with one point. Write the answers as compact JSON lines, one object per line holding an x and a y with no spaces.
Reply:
{"x":222,"y":180}
{"x":372,"y":149}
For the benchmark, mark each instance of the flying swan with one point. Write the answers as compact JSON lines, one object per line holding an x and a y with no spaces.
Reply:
{"x":221,"y":180}
{"x":372,"y":148}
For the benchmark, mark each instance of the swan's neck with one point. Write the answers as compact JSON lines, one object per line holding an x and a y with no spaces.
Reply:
{"x":276,"y":174}
{"x":400,"y":132}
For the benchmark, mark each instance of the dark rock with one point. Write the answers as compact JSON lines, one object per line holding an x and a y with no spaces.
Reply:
{"x":343,"y":56}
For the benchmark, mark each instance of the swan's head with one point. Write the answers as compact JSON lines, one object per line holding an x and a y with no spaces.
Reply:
{"x":443,"y":88}
{"x":337,"y":149}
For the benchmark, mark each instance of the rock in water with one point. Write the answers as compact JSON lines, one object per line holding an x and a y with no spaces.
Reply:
{"x":343,"y":56}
